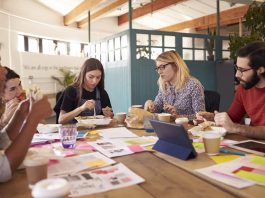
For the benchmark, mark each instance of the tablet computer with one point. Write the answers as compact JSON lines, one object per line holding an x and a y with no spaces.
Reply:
{"x":250,"y":146}
{"x":173,"y":140}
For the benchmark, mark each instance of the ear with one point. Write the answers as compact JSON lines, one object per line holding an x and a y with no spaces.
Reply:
{"x":261,"y":70}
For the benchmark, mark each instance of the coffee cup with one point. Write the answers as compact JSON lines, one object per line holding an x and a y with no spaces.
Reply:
{"x":36,"y":169}
{"x":184,"y":121}
{"x":137,"y":106}
{"x":120,"y":117}
{"x":164,"y":117}
{"x":68,"y":134}
{"x":211,"y":142}
{"x":247,"y":121}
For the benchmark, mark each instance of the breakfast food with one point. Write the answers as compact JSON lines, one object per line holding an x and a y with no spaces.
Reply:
{"x":35,"y":93}
{"x":22,"y":96}
{"x":206,"y":125}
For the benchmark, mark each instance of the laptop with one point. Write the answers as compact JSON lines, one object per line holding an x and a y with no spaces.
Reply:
{"x":173,"y":140}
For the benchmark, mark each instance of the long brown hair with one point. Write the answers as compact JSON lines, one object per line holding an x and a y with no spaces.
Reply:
{"x":2,"y":86}
{"x":89,"y":65}
{"x":182,"y":71}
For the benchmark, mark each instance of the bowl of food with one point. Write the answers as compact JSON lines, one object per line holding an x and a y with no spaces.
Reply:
{"x":48,"y":128}
{"x":93,"y":120}
{"x":199,"y":130}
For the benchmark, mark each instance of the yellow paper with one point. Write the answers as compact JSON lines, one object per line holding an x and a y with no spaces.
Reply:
{"x":223,"y":158}
{"x":251,"y":176}
{"x":94,"y":132}
{"x":97,"y":162}
{"x":138,"y":142}
{"x":258,"y":160}
{"x":198,"y":145}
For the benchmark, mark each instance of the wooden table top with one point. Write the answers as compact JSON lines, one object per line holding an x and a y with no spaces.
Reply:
{"x":164,"y":176}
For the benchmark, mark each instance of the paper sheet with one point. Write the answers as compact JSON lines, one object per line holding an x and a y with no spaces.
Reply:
{"x":119,"y":132}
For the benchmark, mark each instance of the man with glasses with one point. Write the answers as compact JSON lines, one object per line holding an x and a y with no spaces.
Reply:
{"x":250,"y":95}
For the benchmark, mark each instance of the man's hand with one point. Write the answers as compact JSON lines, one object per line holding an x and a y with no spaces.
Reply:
{"x":225,"y":121}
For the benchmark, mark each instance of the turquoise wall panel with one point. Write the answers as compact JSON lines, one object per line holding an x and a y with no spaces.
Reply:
{"x":144,"y":81}
{"x":117,"y":82}
{"x":205,"y":72}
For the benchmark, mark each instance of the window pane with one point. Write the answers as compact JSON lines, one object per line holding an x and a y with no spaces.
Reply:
{"x":111,"y":44}
{"x":142,"y":39}
{"x":199,"y":43}
{"x":117,"y":55}
{"x":142,"y":52}
{"x":187,"y":54}
{"x":62,"y":48}
{"x":124,"y":41}
{"x":155,"y":52}
{"x":21,"y":43}
{"x":156,"y":40}
{"x":225,"y":44}
{"x":168,"y":49}
{"x":75,"y":49}
{"x":48,"y":46}
{"x":169,"y":41}
{"x":33,"y":44}
{"x":98,"y":51}
{"x":124,"y":53}
{"x":187,"y":42}
{"x":199,"y":54}
{"x":111,"y":56}
{"x":117,"y":43}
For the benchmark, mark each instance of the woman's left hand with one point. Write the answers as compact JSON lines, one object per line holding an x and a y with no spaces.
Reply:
{"x":107,"y":111}
{"x":170,"y":109}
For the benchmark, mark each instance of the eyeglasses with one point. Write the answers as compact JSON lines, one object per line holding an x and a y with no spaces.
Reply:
{"x":241,"y":70}
{"x":162,"y":67}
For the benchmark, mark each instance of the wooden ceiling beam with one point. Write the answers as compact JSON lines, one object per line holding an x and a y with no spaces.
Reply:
{"x":101,"y":12}
{"x":147,"y":8}
{"x":78,"y":10}
{"x":222,"y":24}
{"x":210,"y":20}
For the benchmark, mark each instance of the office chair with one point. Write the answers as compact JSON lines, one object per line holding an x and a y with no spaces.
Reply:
{"x":212,"y":100}
{"x":57,"y":107}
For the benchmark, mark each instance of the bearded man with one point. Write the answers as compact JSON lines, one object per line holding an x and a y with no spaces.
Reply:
{"x":250,"y":95}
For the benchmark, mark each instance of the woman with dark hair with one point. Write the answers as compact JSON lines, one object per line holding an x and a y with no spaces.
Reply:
{"x":86,"y":96}
{"x":16,"y":136}
{"x":13,"y":95}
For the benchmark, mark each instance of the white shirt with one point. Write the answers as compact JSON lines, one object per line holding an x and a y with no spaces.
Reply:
{"x":5,"y":169}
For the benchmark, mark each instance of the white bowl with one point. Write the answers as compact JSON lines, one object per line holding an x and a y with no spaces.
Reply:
{"x":51,"y":188}
{"x":103,"y":121}
{"x":196,"y":131}
{"x":48,"y":128}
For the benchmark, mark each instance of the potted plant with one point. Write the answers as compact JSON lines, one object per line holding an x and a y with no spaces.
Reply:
{"x":209,"y":44}
{"x":68,"y":77}
{"x":255,"y":23}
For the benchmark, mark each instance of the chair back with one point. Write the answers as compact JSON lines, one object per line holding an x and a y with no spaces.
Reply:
{"x":212,"y":100}
{"x":57,"y":107}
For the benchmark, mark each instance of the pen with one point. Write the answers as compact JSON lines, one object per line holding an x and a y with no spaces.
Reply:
{"x":231,"y":152}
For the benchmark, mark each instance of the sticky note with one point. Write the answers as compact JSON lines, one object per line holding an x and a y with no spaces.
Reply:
{"x":224,"y":158}
{"x":136,"y":148}
{"x":97,"y":162}
{"x":258,"y":160}
{"x":198,"y":145}
{"x":251,"y":176}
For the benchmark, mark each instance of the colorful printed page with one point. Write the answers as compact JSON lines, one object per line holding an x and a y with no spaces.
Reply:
{"x":71,"y":165}
{"x":101,"y":180}
{"x":113,"y":149}
{"x":119,"y":132}
{"x":250,"y":168}
{"x":142,"y":141}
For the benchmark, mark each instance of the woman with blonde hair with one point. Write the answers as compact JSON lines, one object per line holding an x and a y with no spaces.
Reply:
{"x":179,"y":94}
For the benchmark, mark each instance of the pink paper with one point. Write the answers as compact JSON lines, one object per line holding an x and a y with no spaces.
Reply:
{"x":52,"y":162}
{"x":136,"y":148}
{"x":84,"y":146}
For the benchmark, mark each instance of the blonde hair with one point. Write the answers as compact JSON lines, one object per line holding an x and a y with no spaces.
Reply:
{"x":182,"y":71}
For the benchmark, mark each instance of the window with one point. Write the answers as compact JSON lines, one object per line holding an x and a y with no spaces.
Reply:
{"x":48,"y":46}
{"x":21,"y":43}
{"x":33,"y":44}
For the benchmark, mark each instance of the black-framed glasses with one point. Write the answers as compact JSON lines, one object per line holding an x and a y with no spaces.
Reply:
{"x":162,"y":67}
{"x":241,"y":70}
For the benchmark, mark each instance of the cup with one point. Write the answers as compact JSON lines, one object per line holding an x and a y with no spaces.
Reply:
{"x":137,"y":106}
{"x":164,"y":117}
{"x":247,"y":121}
{"x":184,"y":121}
{"x":36,"y":169}
{"x":121,"y":116}
{"x":68,"y":135}
{"x":211,"y":142}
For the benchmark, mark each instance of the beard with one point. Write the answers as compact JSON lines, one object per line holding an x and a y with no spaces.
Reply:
{"x":250,"y":83}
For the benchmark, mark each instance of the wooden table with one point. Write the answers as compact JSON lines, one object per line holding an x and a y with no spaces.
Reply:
{"x":164,"y":176}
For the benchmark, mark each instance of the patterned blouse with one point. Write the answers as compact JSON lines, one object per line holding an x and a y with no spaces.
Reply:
{"x":187,"y":100}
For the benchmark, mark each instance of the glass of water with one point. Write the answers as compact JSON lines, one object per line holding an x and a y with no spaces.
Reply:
{"x":68,"y":134}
